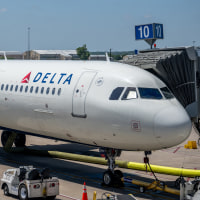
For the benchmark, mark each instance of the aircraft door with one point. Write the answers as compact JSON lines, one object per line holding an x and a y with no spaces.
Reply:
{"x":80,"y":93}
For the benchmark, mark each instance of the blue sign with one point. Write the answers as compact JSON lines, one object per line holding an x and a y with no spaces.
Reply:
{"x":149,"y":31}
{"x":144,"y":32}
{"x":158,"y":31}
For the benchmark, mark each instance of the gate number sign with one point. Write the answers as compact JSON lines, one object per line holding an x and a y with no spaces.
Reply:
{"x":149,"y":31}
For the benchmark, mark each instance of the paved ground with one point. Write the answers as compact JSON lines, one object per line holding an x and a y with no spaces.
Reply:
{"x":73,"y":174}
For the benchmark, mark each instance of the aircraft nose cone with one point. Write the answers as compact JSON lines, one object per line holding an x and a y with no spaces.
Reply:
{"x":172,"y":126}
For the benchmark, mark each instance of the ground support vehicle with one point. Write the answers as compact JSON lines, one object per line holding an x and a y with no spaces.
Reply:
{"x":28,"y":182}
{"x":190,"y":190}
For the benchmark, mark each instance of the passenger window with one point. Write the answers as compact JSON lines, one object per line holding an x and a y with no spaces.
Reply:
{"x":21,"y":88}
{"x":42,"y":90}
{"x":26,"y":88}
{"x":150,"y":93}
{"x":16,"y":88}
{"x":53,"y":91}
{"x":31,"y":89}
{"x":2,"y":86}
{"x":59,"y":91}
{"x":11,"y":88}
{"x":130,"y":93}
{"x":116,"y":93}
{"x":166,"y":92}
{"x":36,"y":90}
{"x":47,"y":91}
{"x":6,"y":87}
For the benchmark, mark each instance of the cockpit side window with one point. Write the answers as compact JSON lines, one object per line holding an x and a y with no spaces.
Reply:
{"x":130,"y":93}
{"x":166,"y":92}
{"x":150,"y":93}
{"x":116,"y":93}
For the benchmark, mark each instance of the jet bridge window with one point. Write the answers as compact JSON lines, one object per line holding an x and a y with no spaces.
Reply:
{"x":130,"y":93}
{"x":116,"y":93}
{"x":166,"y":92}
{"x":150,"y":93}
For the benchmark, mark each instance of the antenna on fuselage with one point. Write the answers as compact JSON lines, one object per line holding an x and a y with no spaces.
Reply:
{"x":107,"y":57}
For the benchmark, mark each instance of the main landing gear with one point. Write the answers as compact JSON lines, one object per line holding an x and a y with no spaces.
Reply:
{"x":19,"y":141}
{"x":112,"y":177}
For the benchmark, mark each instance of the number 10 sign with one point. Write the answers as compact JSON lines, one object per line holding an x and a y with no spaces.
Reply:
{"x":149,"y":31}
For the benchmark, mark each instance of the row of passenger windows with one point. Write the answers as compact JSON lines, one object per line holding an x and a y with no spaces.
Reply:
{"x":30,"y":89}
{"x":145,"y":93}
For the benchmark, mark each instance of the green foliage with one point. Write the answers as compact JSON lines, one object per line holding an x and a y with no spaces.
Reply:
{"x":83,"y":53}
{"x":116,"y":57}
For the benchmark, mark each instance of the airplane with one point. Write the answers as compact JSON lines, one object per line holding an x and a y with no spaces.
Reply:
{"x":106,"y":104}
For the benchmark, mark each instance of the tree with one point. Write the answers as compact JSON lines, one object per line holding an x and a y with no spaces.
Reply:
{"x":83,"y":53}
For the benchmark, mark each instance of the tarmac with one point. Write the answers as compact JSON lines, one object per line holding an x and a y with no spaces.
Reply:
{"x":72,"y":174}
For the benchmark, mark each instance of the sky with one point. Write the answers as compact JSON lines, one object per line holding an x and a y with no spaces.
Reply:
{"x":100,"y":24}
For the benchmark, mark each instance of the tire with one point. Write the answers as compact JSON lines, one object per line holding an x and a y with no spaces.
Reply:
{"x":23,"y":192}
{"x":20,"y":140}
{"x":4,"y":137}
{"x":108,"y":178}
{"x":6,"y":190}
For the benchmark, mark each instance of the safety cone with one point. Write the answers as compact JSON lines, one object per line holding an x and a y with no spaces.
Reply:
{"x":84,"y":196}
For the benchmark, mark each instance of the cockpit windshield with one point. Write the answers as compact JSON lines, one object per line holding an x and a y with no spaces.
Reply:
{"x":150,"y":93}
{"x":144,"y":93}
{"x":166,"y":92}
{"x":116,"y":93}
{"x":130,"y":93}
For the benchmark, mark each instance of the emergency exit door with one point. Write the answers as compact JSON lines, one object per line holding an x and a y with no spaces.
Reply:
{"x":80,"y":93}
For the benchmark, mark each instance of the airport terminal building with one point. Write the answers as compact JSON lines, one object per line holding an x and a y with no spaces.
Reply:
{"x":51,"y":55}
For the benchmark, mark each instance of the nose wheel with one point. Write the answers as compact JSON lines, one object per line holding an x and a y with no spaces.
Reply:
{"x":112,"y":177}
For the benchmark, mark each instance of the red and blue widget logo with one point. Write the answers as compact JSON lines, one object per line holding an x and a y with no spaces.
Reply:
{"x":26,"y":78}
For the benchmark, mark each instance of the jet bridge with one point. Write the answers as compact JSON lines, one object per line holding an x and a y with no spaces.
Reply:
{"x":179,"y":68}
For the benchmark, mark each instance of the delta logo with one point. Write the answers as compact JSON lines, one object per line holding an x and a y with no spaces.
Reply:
{"x":26,"y":78}
{"x":51,"y":78}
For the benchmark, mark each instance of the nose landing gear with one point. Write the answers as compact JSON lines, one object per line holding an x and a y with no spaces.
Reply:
{"x":112,"y":177}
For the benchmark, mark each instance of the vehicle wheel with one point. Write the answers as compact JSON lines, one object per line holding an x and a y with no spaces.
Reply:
{"x":108,"y":178}
{"x":51,"y":198}
{"x":20,"y":140}
{"x":4,"y":137}
{"x":142,"y":189}
{"x":6,"y":190}
{"x":23,"y":192}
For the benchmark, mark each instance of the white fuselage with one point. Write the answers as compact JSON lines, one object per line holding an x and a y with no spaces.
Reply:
{"x":71,"y":100}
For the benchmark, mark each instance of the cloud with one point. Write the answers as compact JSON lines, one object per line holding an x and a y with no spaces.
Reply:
{"x":2,"y":10}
